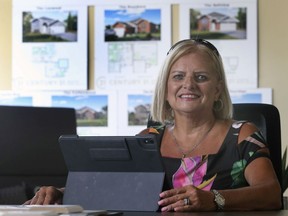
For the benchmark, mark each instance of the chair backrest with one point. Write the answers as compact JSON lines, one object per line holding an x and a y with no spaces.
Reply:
{"x":30,"y":153}
{"x":267,"y":118}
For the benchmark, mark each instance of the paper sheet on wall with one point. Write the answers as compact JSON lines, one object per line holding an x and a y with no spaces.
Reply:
{"x":232,"y":27}
{"x":96,"y":113}
{"x":49,"y":46}
{"x":101,"y":114}
{"x":135,"y":107}
{"x":130,"y":44}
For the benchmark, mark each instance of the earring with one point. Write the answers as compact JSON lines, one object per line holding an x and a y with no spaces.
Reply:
{"x":218,"y":105}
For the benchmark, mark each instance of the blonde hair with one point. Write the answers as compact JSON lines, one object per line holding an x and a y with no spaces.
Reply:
{"x":161,"y":110}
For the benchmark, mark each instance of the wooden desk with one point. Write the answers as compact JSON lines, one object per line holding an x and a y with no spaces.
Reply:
{"x":236,"y":213}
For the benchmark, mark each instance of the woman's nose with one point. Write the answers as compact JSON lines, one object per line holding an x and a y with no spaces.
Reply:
{"x":189,"y":83}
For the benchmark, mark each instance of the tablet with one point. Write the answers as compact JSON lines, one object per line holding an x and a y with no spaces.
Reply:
{"x":122,"y":173}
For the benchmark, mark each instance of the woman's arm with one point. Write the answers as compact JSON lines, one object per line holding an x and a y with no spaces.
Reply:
{"x":263,"y":192}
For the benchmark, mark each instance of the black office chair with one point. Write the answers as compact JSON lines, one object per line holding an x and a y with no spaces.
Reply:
{"x":30,"y":154}
{"x":267,"y":118}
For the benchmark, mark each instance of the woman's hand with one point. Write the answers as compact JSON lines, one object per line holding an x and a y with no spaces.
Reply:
{"x":47,"y":195}
{"x":188,"y":198}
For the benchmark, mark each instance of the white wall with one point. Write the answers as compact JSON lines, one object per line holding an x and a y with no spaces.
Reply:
{"x":273,"y":52}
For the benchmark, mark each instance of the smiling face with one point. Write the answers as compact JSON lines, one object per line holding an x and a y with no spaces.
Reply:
{"x":193,"y":85}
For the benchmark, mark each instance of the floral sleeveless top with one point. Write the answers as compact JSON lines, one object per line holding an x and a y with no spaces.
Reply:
{"x":224,"y":170}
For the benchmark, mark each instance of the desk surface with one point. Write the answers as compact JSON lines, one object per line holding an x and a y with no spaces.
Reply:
{"x":236,"y":213}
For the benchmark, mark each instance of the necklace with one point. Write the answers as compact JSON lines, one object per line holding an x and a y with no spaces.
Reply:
{"x":184,"y":154}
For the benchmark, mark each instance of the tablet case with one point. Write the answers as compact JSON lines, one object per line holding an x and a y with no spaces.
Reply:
{"x":113,"y":172}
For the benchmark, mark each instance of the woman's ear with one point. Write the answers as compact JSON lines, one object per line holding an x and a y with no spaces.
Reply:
{"x":219,"y":89}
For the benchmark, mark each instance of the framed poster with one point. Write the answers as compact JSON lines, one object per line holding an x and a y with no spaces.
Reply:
{"x":259,"y":95}
{"x":10,"y":98}
{"x":232,"y":27}
{"x":134,"y":111}
{"x":130,"y":40}
{"x":44,"y":40}
{"x":95,"y":113}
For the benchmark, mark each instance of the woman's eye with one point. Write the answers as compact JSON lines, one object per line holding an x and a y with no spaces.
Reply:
{"x":200,"y":78}
{"x":178,"y":76}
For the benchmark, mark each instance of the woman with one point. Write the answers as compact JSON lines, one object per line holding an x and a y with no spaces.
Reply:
{"x":211,"y":161}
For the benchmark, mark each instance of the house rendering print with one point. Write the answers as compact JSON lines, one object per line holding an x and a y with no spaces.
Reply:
{"x":134,"y":26}
{"x":217,"y":22}
{"x":46,"y":25}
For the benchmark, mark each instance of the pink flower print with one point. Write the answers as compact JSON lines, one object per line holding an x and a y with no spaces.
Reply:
{"x":191,"y":172}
